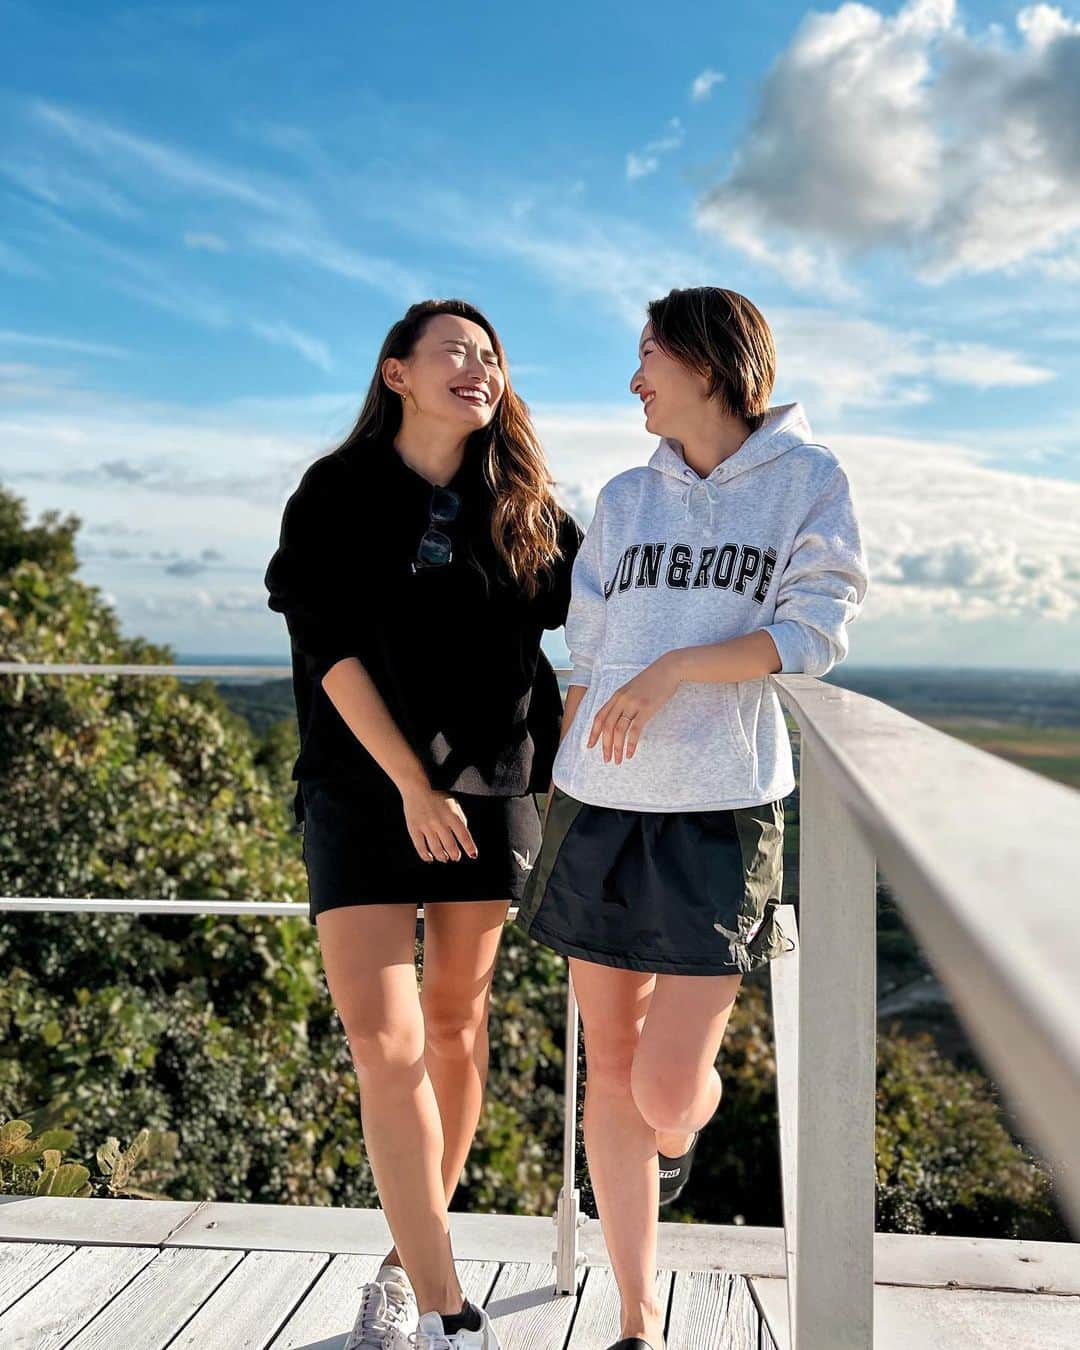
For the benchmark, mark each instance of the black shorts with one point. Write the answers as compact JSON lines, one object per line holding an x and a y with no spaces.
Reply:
{"x":669,"y":892}
{"x":357,"y":850}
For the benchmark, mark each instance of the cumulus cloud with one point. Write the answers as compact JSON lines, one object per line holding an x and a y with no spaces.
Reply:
{"x":909,"y":132}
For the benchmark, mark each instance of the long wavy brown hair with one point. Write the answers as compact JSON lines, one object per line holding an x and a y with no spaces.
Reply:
{"x":525,"y":515}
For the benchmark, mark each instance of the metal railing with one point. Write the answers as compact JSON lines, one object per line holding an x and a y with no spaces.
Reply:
{"x":981,"y":857}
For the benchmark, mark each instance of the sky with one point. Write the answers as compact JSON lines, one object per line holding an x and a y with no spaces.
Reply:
{"x":211,"y":215}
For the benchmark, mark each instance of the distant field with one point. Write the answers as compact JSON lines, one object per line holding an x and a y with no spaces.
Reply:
{"x":1053,"y":752}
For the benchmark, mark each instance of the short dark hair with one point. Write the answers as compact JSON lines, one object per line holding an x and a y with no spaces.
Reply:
{"x":720,"y":334}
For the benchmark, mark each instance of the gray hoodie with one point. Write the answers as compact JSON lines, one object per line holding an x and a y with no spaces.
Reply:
{"x":768,"y":540}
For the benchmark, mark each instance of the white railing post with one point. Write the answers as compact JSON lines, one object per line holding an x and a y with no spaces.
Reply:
{"x":784,"y":983}
{"x":568,"y":1216}
{"x":833,"y":1305}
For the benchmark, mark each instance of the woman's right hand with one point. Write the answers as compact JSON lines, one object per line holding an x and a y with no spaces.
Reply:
{"x":437,"y":825}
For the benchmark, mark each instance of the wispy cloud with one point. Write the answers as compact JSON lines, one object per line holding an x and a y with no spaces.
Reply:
{"x":641,"y":163}
{"x":168,"y":164}
{"x":205,"y":240}
{"x":325,"y":253}
{"x":285,"y":335}
{"x":8,"y":337}
{"x":704,"y":83}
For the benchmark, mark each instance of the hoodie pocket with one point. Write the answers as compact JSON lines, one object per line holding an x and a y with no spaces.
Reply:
{"x":692,"y":751}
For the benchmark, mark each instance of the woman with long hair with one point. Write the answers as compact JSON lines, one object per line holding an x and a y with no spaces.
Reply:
{"x":734,"y":554}
{"x":419,"y":563}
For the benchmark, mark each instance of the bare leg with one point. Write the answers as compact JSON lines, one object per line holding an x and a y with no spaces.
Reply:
{"x":369,"y":959}
{"x":619,"y":1143}
{"x":674,"y":1081}
{"x":461,"y":943}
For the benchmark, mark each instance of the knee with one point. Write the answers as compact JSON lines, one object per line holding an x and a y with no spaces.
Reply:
{"x":451,"y":1031}
{"x":609,"y":1062}
{"x":668,"y":1099}
{"x":381,"y":1045}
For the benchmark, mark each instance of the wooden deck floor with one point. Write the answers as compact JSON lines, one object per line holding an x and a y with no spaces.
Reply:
{"x":56,"y":1295}
{"x":143,"y":1275}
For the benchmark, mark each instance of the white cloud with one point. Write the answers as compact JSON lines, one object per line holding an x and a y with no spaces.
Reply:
{"x":835,"y":361}
{"x":168,"y":165}
{"x":206,"y":241}
{"x":641,"y":163}
{"x":959,"y":551}
{"x":9,"y":337}
{"x":285,"y":335}
{"x":703,"y":84}
{"x":908,"y":132}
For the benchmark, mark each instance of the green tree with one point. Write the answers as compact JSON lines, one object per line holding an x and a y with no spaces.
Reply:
{"x":219,"y":1029}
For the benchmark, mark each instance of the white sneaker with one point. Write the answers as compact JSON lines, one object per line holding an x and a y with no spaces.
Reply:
{"x":378,"y":1322}
{"x":430,"y":1335}
{"x":400,"y":1300}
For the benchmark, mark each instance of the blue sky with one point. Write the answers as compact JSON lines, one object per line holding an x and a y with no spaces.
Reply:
{"x":212,"y":215}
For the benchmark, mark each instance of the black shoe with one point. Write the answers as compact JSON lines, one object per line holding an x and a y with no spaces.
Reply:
{"x":675,"y":1172}
{"x":631,"y":1343}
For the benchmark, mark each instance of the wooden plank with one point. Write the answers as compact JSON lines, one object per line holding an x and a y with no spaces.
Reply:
{"x":249,"y":1308}
{"x":325,"y":1315}
{"x":713,"y":1309}
{"x":477,"y":1279}
{"x":951,"y":1319}
{"x":127,"y":1223}
{"x":739,"y":1248}
{"x":59,"y":1305}
{"x":364,"y":1232}
{"x":597,"y":1321}
{"x":148,"y":1312}
{"x":527,"y":1312}
{"x":23,"y":1264}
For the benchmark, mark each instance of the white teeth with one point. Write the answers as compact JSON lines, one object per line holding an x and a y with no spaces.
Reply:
{"x":472,"y":395}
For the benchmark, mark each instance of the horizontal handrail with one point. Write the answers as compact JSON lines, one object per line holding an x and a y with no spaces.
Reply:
{"x":982,"y":857}
{"x":187,"y":671}
{"x":195,"y":908}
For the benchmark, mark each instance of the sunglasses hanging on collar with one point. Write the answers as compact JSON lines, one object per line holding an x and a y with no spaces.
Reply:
{"x":435,"y":548}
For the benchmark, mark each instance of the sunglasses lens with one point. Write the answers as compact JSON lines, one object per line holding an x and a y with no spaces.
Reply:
{"x":434,"y":549}
{"x":444,"y":505}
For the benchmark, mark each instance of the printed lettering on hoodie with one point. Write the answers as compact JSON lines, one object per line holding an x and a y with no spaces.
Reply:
{"x":721,"y":567}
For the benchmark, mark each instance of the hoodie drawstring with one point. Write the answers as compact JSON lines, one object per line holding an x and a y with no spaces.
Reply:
{"x":712,"y":491}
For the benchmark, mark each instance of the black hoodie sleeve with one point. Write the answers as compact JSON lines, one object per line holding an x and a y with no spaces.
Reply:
{"x":305,"y":577}
{"x":555,"y":601}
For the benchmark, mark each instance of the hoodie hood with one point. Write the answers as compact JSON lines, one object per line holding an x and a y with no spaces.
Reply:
{"x":785,"y":426}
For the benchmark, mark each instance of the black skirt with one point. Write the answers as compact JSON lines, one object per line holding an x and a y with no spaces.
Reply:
{"x":668,"y":892}
{"x":357,"y":849}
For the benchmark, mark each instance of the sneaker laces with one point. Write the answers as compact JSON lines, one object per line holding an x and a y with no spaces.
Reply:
{"x":398,"y":1299}
{"x":430,"y":1340}
{"x":372,"y":1325}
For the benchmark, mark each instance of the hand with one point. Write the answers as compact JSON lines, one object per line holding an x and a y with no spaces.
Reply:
{"x":437,"y":825}
{"x":623,"y":717}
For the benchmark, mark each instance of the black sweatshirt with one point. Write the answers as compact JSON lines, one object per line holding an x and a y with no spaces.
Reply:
{"x":458,"y":663}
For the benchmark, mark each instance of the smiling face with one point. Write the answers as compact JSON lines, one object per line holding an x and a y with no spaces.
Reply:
{"x":452,"y":374}
{"x":672,"y":394}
